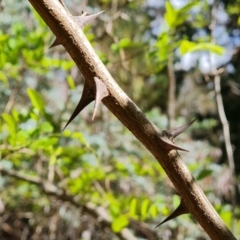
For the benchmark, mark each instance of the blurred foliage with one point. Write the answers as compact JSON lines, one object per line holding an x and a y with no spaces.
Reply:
{"x":100,"y":162}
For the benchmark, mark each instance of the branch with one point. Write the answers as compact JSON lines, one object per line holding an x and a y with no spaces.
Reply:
{"x":221,"y":111}
{"x":50,"y":189}
{"x":73,"y":39}
{"x":171,"y":91}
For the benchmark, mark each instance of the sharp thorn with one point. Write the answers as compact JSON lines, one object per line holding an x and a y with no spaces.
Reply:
{"x":101,"y":92}
{"x":180,"y":210}
{"x":175,"y":132}
{"x":168,"y":145}
{"x":86,"y":98}
{"x":85,"y":19}
{"x":55,"y":43}
{"x":82,"y":21}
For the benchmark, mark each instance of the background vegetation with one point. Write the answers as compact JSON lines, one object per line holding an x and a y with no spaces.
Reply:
{"x":94,"y":179}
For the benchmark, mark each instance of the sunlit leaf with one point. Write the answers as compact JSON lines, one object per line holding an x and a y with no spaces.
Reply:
{"x":119,"y":223}
{"x":44,"y":142}
{"x":79,"y":137}
{"x":10,"y":122}
{"x":133,"y":207}
{"x":153,"y":211}
{"x":52,"y":159}
{"x":70,"y":81}
{"x":176,"y":201}
{"x":22,"y":138}
{"x":36,"y":99}
{"x":15,"y":115}
{"x":124,"y":42}
{"x":226,"y":215}
{"x":188,"y":46}
{"x":144,"y":207}
{"x":114,"y":47}
{"x":46,"y":127}
{"x":171,"y":15}
{"x":3,"y":37}
{"x":66,"y":65}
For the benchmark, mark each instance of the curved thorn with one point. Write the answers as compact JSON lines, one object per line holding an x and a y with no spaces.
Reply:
{"x":180,"y":210}
{"x":175,"y":132}
{"x":55,"y":43}
{"x":86,"y":98}
{"x":168,"y":145}
{"x":82,"y":21}
{"x":101,"y":92}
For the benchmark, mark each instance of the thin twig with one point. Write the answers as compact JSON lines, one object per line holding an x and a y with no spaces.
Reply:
{"x":221,"y":111}
{"x":171,"y":92}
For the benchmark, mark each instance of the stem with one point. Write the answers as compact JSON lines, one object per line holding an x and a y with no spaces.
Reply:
{"x":171,"y":92}
{"x":221,"y":111}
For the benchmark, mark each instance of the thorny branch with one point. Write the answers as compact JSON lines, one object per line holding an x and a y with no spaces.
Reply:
{"x":73,"y":39}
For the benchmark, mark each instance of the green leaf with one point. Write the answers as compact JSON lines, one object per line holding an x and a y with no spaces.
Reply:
{"x":144,"y":207}
{"x":79,"y":136}
{"x":52,"y":160}
{"x":171,"y":14}
{"x":153,"y":211}
{"x":9,"y":120}
{"x":119,"y":223}
{"x":176,"y":201}
{"x":44,"y":143}
{"x":133,"y":207}
{"x":46,"y":127}
{"x":188,"y":46}
{"x":46,"y":62}
{"x":22,"y":138}
{"x":226,"y":215}
{"x":212,"y":48}
{"x":3,"y":37}
{"x":163,"y":46}
{"x":114,"y":47}
{"x":127,"y":43}
{"x":203,"y":173}
{"x":3,"y":77}
{"x":66,"y":65}
{"x":36,"y":99}
{"x":124,"y":43}
{"x":15,"y":115}
{"x":70,"y":81}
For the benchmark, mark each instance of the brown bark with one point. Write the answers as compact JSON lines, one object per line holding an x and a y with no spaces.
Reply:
{"x":75,"y":42}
